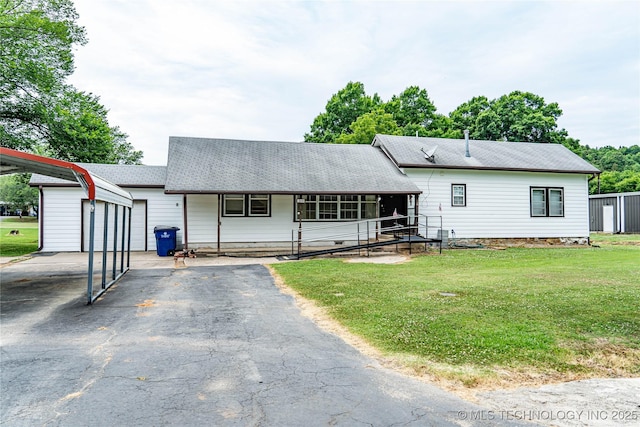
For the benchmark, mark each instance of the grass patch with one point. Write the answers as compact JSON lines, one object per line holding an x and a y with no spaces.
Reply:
{"x":613,"y":239}
{"x":25,"y":242}
{"x":482,"y":316}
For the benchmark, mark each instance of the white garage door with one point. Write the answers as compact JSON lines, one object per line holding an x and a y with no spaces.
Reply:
{"x":138,"y":226}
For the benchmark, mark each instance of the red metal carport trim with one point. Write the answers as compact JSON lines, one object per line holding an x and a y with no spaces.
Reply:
{"x":34,"y":158}
{"x":13,"y":161}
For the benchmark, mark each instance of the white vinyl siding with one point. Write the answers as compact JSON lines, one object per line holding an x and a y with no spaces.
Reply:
{"x":63,"y":222}
{"x":202,"y":214}
{"x":276,"y":229}
{"x":138,"y":226}
{"x":501,"y":203}
{"x":60,"y":216}
{"x":162,"y":209}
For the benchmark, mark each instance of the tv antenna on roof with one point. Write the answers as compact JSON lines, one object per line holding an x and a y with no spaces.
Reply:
{"x":430,"y":155}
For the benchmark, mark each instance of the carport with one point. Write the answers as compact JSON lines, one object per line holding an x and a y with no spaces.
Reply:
{"x":97,"y":190}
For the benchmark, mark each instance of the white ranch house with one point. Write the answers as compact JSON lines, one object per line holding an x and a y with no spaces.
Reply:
{"x":234,"y":193}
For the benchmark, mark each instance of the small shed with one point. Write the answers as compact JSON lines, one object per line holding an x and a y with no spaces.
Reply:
{"x":615,"y":212}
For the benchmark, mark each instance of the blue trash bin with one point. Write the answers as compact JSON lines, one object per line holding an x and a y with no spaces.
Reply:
{"x":165,"y":239}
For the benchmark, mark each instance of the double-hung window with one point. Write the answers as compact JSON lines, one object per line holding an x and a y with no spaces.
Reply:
{"x":233,"y":205}
{"x":259,"y":204}
{"x":246,"y":205}
{"x":458,"y":194}
{"x":547,"y":201}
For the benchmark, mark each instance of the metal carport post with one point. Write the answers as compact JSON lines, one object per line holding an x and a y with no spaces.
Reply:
{"x":96,"y":188}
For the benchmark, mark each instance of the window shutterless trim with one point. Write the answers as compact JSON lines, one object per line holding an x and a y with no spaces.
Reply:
{"x":255,"y":197}
{"x":246,"y":205}
{"x":236,"y":198}
{"x":316,"y":202}
{"x":549,"y":205}
{"x":464,"y":195}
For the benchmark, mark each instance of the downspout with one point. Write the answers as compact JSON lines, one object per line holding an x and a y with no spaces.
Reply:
{"x":185,"y":222}
{"x":40,"y":219}
{"x":593,"y":176}
{"x":219,"y":221}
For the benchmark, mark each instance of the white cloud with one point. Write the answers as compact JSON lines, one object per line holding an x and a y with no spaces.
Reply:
{"x":265,"y":69}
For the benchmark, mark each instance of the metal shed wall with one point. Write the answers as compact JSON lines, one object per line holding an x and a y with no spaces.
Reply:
{"x":595,"y":212}
{"x":632,"y":214}
{"x":626,"y":208}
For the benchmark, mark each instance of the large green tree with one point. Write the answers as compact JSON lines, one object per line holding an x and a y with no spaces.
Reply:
{"x":367,"y":126}
{"x":342,"y":109}
{"x":16,"y":193}
{"x":351,"y":116}
{"x":39,"y":111}
{"x":411,"y":107}
{"x":518,"y":116}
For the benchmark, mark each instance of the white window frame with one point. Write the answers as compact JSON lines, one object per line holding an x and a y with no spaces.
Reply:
{"x":551,"y":202}
{"x":258,"y":197}
{"x":233,"y":197}
{"x":455,"y":203}
{"x":247,"y":204}
{"x":334,"y":205}
{"x":547,"y":207}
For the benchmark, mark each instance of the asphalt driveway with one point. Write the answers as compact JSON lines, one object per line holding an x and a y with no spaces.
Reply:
{"x":204,"y":345}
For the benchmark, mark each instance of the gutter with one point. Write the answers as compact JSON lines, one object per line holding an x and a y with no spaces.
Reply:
{"x":504,"y":169}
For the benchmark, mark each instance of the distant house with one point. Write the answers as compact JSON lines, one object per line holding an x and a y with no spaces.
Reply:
{"x":226,"y":193}
{"x":488,"y":190}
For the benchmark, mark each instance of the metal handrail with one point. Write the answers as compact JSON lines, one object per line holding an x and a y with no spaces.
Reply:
{"x":414,"y":227}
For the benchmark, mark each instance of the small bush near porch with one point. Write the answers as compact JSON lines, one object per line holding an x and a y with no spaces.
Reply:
{"x":483,"y":318}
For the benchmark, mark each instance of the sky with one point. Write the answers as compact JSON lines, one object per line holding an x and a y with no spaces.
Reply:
{"x":263,"y":70}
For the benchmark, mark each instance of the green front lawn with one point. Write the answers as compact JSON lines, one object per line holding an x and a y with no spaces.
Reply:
{"x":483,"y":316}
{"x":26,"y":241}
{"x":601,"y":238}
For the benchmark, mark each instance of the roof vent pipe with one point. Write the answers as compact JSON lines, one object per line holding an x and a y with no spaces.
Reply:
{"x":466,"y":143}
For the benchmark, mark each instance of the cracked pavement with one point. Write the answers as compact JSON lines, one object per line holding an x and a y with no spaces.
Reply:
{"x":204,"y":345}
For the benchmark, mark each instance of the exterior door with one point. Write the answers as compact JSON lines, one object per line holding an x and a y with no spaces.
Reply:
{"x":391,"y":203}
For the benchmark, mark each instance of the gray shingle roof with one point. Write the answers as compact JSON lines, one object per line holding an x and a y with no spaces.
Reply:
{"x":450,"y":153}
{"x":233,"y":166}
{"x":122,"y":175}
